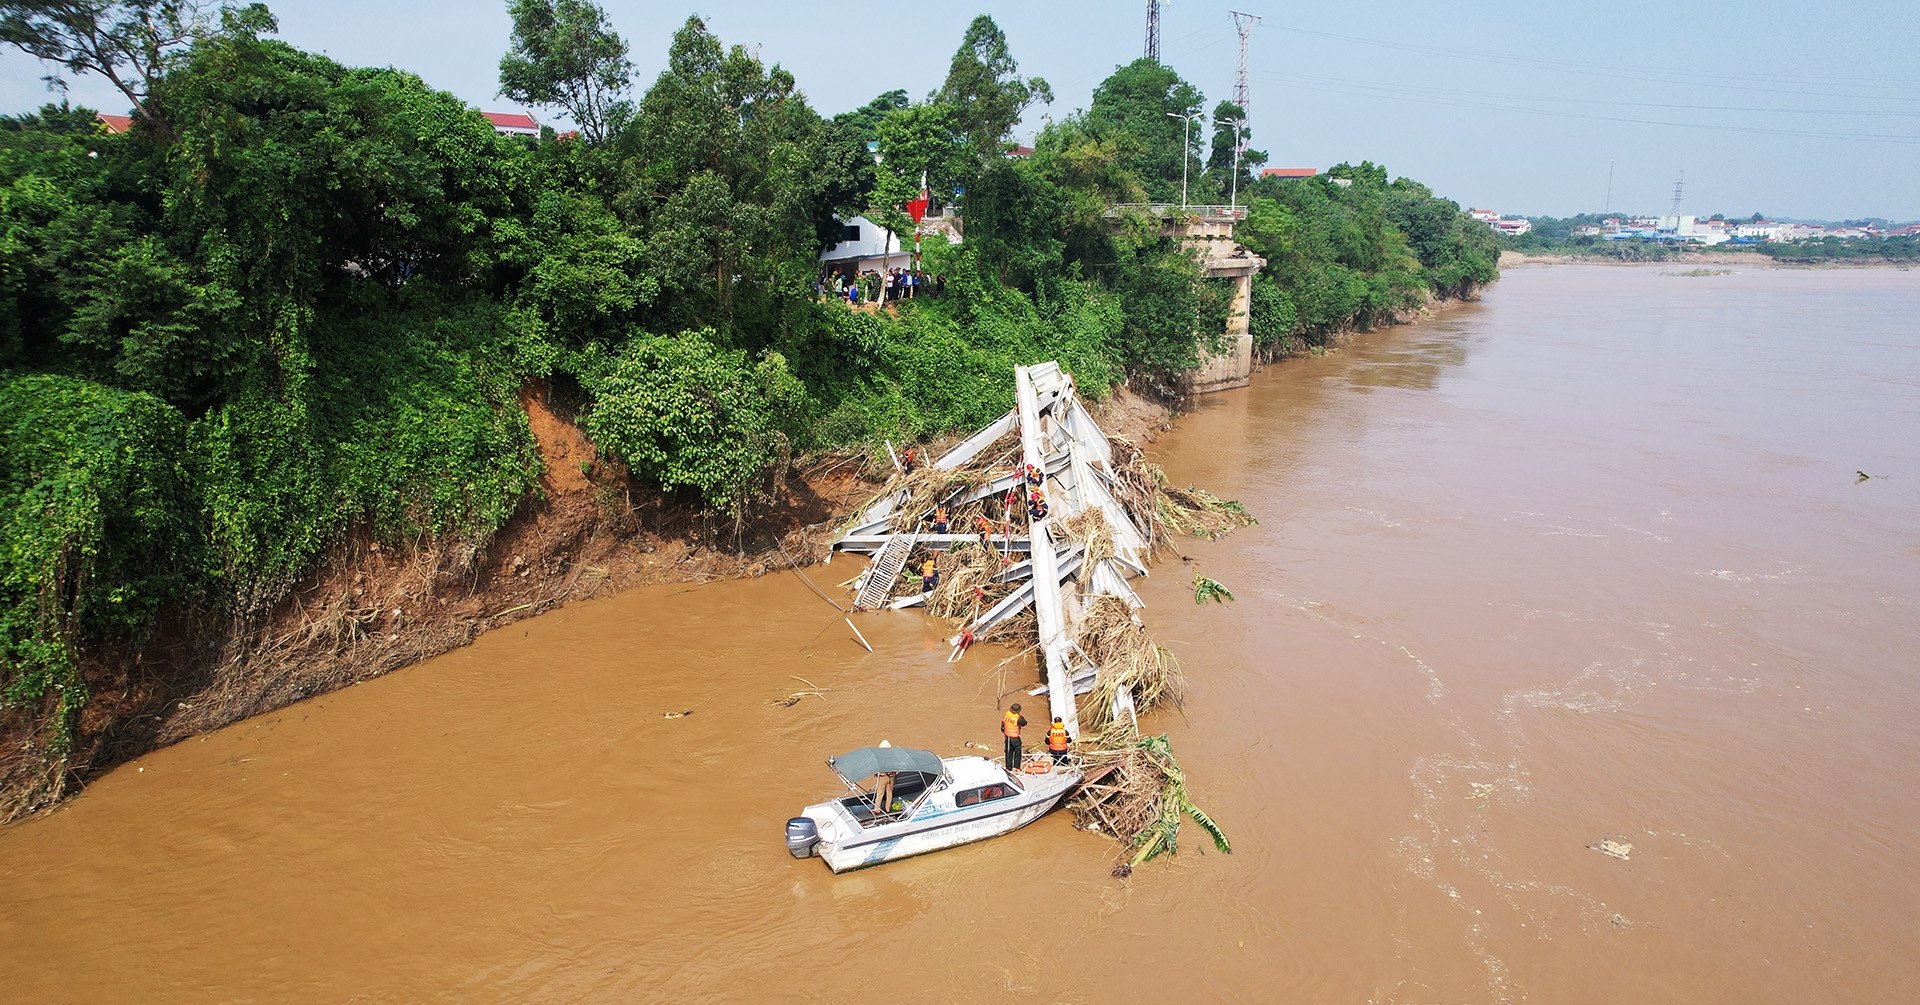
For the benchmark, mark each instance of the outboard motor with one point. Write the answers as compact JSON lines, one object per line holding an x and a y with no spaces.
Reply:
{"x":802,"y":835}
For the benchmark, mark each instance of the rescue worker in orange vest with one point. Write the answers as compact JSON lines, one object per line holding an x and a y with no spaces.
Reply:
{"x":939,"y":519}
{"x":929,"y":576}
{"x":1010,"y":728}
{"x":1057,"y":740}
{"x":1037,"y":505}
{"x":906,"y":462}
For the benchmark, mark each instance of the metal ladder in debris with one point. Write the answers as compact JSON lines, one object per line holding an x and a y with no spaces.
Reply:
{"x":884,"y":572}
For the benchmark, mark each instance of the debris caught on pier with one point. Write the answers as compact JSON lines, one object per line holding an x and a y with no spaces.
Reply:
{"x":1130,"y":661}
{"x":1142,"y":800}
{"x":1029,"y":531}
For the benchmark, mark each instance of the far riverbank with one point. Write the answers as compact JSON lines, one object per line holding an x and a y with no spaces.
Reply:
{"x":1749,"y":259}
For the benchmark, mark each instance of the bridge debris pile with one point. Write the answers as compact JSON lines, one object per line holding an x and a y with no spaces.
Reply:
{"x":1035,"y":525}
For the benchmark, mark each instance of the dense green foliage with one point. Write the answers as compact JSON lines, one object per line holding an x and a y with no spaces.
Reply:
{"x":299,"y":298}
{"x":1349,"y":249}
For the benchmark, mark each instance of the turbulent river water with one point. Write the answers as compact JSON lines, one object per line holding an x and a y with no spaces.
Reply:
{"x":1586,"y":561}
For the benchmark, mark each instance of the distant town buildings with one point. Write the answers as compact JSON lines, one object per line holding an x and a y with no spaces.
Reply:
{"x":1696,"y":230}
{"x":1512,"y":226}
{"x":1288,"y":172}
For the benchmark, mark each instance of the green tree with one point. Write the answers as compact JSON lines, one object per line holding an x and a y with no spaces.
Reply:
{"x":1220,"y":159}
{"x":729,"y":178}
{"x":564,"y":54}
{"x":129,"y":42}
{"x":985,"y":87}
{"x":865,"y":120}
{"x":1149,"y":103}
{"x":918,"y":142}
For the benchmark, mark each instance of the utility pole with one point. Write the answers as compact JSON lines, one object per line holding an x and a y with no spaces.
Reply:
{"x":1243,"y":23}
{"x":1608,"y":207}
{"x":1153,"y":30}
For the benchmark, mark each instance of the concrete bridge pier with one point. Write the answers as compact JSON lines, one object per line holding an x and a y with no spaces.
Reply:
{"x":1207,"y":233}
{"x":1233,"y":365}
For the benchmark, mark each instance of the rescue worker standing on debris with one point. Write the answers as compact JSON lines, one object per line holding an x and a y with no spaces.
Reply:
{"x":929,"y":576}
{"x":939,"y":519}
{"x":1057,"y":740}
{"x":1010,"y":725}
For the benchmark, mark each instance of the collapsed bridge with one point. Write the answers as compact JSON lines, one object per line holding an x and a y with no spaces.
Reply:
{"x":1078,"y":543}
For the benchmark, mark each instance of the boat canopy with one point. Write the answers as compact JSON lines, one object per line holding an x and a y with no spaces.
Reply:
{"x":866,"y":762}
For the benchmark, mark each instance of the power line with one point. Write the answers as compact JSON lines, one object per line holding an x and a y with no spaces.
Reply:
{"x":1498,"y":96}
{"x":1861,"y":137}
{"x":1693,"y":80}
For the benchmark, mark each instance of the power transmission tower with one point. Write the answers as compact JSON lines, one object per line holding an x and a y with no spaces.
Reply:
{"x":1678,"y":187}
{"x":1243,"y":23}
{"x":1153,"y":30}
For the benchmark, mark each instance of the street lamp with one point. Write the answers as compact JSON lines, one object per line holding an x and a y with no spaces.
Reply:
{"x":1186,"y":147}
{"x":1233,"y":198}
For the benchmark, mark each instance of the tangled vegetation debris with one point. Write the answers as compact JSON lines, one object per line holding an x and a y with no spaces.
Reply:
{"x":1205,"y":589}
{"x":1142,"y":798}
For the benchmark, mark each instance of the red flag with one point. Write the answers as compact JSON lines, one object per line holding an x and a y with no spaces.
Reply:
{"x":917,"y":207}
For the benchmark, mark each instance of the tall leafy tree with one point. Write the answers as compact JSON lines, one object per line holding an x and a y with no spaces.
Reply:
{"x":1148,"y":102}
{"x":1220,"y":160}
{"x":726,"y":173}
{"x":922,"y":141}
{"x":129,"y":42}
{"x":564,"y":54}
{"x":865,"y":120}
{"x":985,"y":87}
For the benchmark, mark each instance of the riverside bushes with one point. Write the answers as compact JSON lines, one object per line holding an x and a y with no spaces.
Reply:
{"x":98,"y":526}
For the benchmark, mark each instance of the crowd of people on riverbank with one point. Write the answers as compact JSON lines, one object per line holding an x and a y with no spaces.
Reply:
{"x":871,"y":286}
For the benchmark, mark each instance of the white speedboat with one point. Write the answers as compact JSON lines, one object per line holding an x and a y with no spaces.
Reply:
{"x":937,"y":802}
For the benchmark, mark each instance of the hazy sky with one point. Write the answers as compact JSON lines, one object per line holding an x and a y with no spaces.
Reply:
{"x":1804,"y":108}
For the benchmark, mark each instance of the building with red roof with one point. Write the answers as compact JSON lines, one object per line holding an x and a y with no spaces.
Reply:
{"x":1289,"y":172}
{"x":513,"y":123}
{"x":114,"y":123}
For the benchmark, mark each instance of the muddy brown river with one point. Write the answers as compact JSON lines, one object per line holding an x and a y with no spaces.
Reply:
{"x":1586,"y":562}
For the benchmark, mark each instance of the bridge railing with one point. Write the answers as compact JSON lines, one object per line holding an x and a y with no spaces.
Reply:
{"x":1171,"y":209}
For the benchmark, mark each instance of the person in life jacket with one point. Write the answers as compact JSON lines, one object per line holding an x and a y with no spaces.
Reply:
{"x":1010,"y":728}
{"x":929,"y":575}
{"x":939,"y":519}
{"x":906,"y":462}
{"x":1034,"y":477}
{"x":1057,"y":740}
{"x":1037,"y":505}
